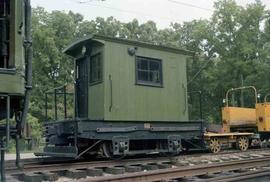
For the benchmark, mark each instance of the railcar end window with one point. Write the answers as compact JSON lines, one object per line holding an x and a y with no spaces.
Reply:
{"x":148,"y":71}
{"x":95,"y":69}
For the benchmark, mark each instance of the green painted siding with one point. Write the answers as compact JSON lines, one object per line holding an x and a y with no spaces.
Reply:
{"x":12,"y":84}
{"x":96,"y":91}
{"x":96,"y":101}
{"x":145,"y":103}
{"x":119,"y":98}
{"x":13,"y":81}
{"x":17,"y":38}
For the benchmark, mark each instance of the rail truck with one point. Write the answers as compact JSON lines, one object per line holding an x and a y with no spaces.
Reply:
{"x":242,"y":126}
{"x":130,"y":98}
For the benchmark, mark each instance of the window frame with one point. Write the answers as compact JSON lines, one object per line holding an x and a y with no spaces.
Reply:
{"x":100,"y":80}
{"x":148,"y":83}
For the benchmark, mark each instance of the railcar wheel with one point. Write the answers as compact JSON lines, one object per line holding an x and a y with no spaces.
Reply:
{"x":215,"y":145}
{"x":242,"y":143}
{"x":107,"y":150}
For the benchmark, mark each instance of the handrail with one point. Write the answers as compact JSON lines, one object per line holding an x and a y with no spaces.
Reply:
{"x":55,"y":92}
{"x":241,"y":88}
{"x":56,"y":88}
{"x":265,"y":97}
{"x":185,"y":98}
{"x":111,"y":93}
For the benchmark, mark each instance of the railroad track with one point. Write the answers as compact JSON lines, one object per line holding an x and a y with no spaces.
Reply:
{"x":255,"y":175}
{"x":145,"y":169}
{"x":77,"y":165}
{"x":10,"y":164}
{"x":184,"y":172}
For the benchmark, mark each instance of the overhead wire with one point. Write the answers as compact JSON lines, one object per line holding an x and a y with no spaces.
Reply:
{"x":139,"y":13}
{"x":87,"y":1}
{"x":198,"y":72}
{"x":189,"y":5}
{"x":171,"y":1}
{"x":128,"y":11}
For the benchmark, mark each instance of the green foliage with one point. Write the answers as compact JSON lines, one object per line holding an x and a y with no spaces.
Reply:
{"x":33,"y":138}
{"x":51,"y":68}
{"x":36,"y":129}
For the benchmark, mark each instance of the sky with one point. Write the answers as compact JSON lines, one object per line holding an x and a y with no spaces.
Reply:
{"x":162,"y":12}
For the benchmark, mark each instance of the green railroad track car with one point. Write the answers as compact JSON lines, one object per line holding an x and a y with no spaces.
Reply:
{"x":130,"y":98}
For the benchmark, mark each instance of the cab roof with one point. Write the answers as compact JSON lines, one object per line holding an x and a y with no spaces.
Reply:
{"x":76,"y":47}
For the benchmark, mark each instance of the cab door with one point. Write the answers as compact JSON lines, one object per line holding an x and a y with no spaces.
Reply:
{"x":81,"y":100}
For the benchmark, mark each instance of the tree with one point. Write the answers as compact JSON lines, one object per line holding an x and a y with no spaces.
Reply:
{"x":51,"y":68}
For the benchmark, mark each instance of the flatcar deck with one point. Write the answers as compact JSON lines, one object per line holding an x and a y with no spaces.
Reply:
{"x":231,"y":134}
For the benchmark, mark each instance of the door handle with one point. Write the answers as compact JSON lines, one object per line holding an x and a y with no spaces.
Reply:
{"x":185,"y":97}
{"x":111,"y":93}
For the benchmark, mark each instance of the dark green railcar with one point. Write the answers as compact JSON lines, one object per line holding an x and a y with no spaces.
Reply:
{"x":15,"y":69}
{"x":130,"y":98}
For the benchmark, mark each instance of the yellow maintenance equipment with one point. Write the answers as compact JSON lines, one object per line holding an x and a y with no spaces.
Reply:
{"x":236,"y":117}
{"x":241,"y":124}
{"x":239,"y":118}
{"x":263,"y":115}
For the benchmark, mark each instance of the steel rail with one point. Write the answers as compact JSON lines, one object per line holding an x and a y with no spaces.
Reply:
{"x":35,"y":164}
{"x":39,"y":160}
{"x":91,"y":164}
{"x":240,"y":177}
{"x":176,"y":173}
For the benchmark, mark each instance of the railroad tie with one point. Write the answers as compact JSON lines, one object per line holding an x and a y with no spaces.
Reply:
{"x":181,"y":163}
{"x":150,"y":167}
{"x":132,"y":169}
{"x":76,"y":173}
{"x":32,"y":177}
{"x":164,"y":165}
{"x":49,"y":176}
{"x":94,"y":172}
{"x":115,"y":170}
